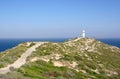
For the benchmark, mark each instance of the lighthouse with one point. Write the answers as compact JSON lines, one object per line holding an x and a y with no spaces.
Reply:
{"x":83,"y":33}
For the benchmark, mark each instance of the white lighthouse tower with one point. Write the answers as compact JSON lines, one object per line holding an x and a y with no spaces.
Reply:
{"x":83,"y":33}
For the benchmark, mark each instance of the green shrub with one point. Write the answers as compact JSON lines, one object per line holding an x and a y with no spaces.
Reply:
{"x":1,"y":65}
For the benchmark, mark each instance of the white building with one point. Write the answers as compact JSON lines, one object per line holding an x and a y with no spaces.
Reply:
{"x":83,"y":33}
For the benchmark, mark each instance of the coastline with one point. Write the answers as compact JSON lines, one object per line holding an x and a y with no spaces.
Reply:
{"x":7,"y":44}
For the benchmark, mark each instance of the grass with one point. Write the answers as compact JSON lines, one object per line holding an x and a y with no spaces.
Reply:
{"x":11,"y":55}
{"x":109,"y":59}
{"x":43,"y":70}
{"x":72,"y":52}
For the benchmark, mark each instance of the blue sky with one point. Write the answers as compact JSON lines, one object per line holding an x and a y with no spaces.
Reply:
{"x":59,"y":18}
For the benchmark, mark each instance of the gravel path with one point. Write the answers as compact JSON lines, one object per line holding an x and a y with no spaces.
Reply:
{"x":22,"y":60}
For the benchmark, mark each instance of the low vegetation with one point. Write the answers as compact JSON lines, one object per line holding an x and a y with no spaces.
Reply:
{"x":74,"y":59}
{"x":11,"y":55}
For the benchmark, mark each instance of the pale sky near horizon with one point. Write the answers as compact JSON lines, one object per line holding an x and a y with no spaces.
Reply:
{"x":59,"y":18}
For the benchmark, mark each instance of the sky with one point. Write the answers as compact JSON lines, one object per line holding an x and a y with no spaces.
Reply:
{"x":59,"y":18}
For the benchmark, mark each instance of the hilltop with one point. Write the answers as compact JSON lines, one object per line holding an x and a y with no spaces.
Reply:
{"x":78,"y":58}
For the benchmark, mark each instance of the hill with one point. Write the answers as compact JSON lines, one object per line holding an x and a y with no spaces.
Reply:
{"x":78,"y":58}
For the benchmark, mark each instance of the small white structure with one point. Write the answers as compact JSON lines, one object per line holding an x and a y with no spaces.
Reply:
{"x":83,"y":33}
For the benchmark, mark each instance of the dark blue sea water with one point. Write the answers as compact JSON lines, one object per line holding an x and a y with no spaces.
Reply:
{"x":113,"y":42}
{"x":9,"y":43}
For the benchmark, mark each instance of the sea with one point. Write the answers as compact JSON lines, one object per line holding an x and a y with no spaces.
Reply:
{"x":6,"y":44}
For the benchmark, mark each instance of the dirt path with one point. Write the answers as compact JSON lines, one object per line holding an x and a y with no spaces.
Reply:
{"x":22,"y":60}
